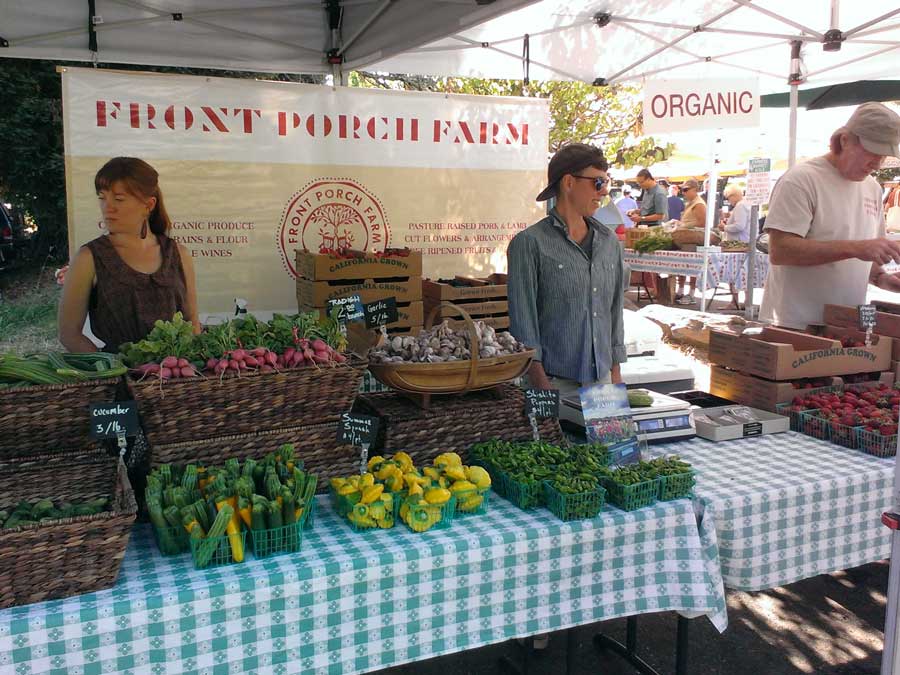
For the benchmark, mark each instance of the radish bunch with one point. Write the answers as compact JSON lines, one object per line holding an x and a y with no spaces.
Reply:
{"x":236,"y":360}
{"x":170,"y":367}
{"x":308,"y":353}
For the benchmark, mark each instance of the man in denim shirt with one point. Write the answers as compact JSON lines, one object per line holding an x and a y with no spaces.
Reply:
{"x":566,"y":279}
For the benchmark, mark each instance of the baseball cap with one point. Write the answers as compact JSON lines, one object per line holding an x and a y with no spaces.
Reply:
{"x":878,"y":128}
{"x":690,"y":183}
{"x":568,"y":159}
{"x":626,"y":189}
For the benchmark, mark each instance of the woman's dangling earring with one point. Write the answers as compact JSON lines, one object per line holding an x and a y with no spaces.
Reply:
{"x":144,"y":229}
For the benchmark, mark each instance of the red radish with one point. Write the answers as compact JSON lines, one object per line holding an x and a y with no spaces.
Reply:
{"x":221,"y":366}
{"x":183,"y":363}
{"x":169,"y":362}
{"x":149,"y":369}
{"x":319,"y":345}
{"x":297,"y":358}
{"x":176,"y":372}
{"x":338,"y":357}
{"x":251,"y":361}
{"x":259,"y":351}
{"x":234,"y":365}
{"x":265,"y":368}
{"x":211,"y":364}
{"x":165,"y":373}
{"x":272,"y":358}
{"x":320,"y":357}
{"x":242,"y":365}
{"x":303,"y":343}
{"x":288,"y":354}
{"x":188,"y":371}
{"x":239,"y":354}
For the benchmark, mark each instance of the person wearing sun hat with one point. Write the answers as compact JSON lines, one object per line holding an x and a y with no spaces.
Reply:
{"x":826,"y":226}
{"x":566,"y":279}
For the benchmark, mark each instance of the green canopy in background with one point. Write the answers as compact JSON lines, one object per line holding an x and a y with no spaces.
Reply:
{"x":832,"y":96}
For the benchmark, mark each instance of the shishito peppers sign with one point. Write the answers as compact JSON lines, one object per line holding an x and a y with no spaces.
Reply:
{"x":251,"y":171}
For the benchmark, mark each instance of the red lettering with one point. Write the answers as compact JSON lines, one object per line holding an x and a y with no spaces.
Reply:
{"x":749,"y":97}
{"x":217,"y":122}
{"x":659,"y":98}
{"x":283,"y":122}
{"x":724,"y":103}
{"x":676,"y":101}
{"x":692,"y":104}
{"x":709,"y":104}
{"x":415,"y":130}
{"x":102,"y":113}
{"x":248,"y":118}
{"x":170,"y":117}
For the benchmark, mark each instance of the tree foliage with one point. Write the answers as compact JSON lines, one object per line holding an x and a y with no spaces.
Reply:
{"x":609,"y":117}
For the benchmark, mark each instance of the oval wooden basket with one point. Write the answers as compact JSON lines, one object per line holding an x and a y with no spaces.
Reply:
{"x":453,"y":377}
{"x":689,"y":236}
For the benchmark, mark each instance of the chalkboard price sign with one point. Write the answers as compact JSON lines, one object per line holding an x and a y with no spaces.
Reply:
{"x":542,"y":402}
{"x":351,"y":308}
{"x":359,"y":430}
{"x":381,"y":312}
{"x":114,"y":420}
{"x":866,"y":316}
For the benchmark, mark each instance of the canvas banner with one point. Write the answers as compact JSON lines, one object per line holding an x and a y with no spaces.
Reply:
{"x":252,"y":170}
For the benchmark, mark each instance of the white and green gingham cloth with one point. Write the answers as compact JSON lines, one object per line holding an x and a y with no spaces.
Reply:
{"x":355,"y":602}
{"x":787,"y":507}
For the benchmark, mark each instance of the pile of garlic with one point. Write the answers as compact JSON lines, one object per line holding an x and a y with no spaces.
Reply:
{"x":443,"y":343}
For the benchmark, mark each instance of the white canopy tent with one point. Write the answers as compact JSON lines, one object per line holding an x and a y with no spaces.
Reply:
{"x":302,"y":36}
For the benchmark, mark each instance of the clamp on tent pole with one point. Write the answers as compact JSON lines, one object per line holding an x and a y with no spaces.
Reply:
{"x":526,"y":59}
{"x":93,"y":20}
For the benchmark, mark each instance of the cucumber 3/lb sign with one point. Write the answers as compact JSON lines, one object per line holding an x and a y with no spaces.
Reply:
{"x":690,"y":105}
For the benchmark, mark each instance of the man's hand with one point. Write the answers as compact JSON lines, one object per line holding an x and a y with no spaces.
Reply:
{"x":615,"y":374}
{"x":888,"y":281}
{"x":879,"y":251}
{"x":537,"y":376}
{"x":635,"y":217}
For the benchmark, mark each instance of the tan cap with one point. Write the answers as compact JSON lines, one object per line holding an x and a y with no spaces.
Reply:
{"x":878,"y":128}
{"x":570,"y":158}
{"x":690,"y":183}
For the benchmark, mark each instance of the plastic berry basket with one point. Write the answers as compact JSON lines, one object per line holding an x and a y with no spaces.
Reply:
{"x":813,"y":424}
{"x":874,"y":443}
{"x":844,"y":435}
{"x":631,"y":497}
{"x":440,"y":515}
{"x":222,"y":554}
{"x":676,"y":486}
{"x":578,"y":506}
{"x":524,"y":495}
{"x":309,"y":514}
{"x":793,"y":415}
{"x":271,"y":541}
{"x":367,"y":510}
{"x":171,"y":540}
{"x":472,"y":502}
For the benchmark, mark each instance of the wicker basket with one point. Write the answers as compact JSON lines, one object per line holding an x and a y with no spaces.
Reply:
{"x":635,"y":234}
{"x":453,"y":423}
{"x":316,"y":445}
{"x":453,"y":377}
{"x":692,"y":236}
{"x":49,"y":418}
{"x":175,"y":411}
{"x":69,"y":556}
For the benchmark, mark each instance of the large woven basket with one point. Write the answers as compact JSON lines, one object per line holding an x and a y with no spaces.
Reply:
{"x":453,"y":376}
{"x":47,"y":418}
{"x":69,"y":556}
{"x":453,"y":423}
{"x":691,"y":236}
{"x":316,"y":445}
{"x":176,"y":411}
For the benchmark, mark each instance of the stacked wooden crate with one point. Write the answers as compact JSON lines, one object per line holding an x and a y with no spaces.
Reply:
{"x":325,"y":276}
{"x":483,"y":298}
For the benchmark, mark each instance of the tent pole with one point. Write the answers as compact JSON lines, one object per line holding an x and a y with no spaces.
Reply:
{"x":749,"y":307}
{"x":711,"y":196}
{"x":794,"y":79}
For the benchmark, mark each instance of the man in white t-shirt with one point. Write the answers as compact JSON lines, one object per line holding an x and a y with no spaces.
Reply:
{"x":825,"y":224}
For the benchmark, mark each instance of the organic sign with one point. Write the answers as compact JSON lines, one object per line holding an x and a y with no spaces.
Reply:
{"x":381,"y":312}
{"x":690,"y":105}
{"x":350,"y":308}
{"x":114,"y":420}
{"x":542,"y":402}
{"x":359,"y":430}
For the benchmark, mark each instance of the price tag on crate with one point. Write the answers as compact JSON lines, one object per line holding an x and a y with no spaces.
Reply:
{"x":350,"y":308}
{"x":867,"y":321}
{"x":359,"y":430}
{"x":381,"y":312}
{"x":114,"y":420}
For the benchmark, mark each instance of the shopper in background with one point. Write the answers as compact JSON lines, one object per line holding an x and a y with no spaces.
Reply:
{"x":626,"y":203}
{"x":654,"y":202}
{"x":826,"y":224}
{"x":694,"y":215}
{"x":676,"y":204}
{"x":737,"y":225}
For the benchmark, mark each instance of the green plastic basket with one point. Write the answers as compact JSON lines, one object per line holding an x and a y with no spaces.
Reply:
{"x":523,"y":495}
{"x":309,"y":515}
{"x":286,"y":539}
{"x":441,"y":516}
{"x":341,"y":503}
{"x":469,"y":504}
{"x":813,"y":424}
{"x":873,"y":443}
{"x":171,"y":540}
{"x":631,"y":497}
{"x":580,"y":506}
{"x":793,"y":415}
{"x":364,"y":527}
{"x":842,"y":434}
{"x":222,"y":553}
{"x":675,"y":486}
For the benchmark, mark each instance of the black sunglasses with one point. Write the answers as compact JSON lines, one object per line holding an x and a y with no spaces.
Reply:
{"x":598,"y":182}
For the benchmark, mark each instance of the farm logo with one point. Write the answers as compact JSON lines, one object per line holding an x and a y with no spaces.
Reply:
{"x":331,"y":213}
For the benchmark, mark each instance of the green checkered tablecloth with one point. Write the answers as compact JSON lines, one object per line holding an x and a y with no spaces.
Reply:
{"x":355,"y":602}
{"x":787,"y":507}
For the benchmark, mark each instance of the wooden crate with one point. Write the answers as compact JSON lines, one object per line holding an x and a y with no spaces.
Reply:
{"x":328,"y":267}
{"x":318,"y":293}
{"x":492,"y":287}
{"x":635,"y":234}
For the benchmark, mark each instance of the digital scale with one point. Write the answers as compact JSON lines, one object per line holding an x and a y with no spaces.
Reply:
{"x":667,"y":419}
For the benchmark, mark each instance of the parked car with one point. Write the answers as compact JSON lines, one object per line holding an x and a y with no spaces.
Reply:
{"x":13,"y":237}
